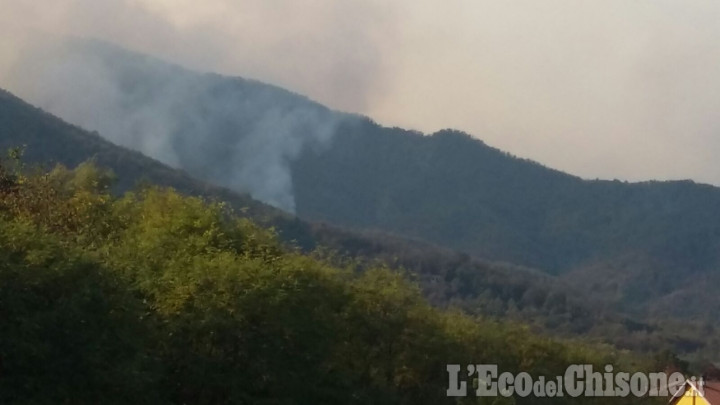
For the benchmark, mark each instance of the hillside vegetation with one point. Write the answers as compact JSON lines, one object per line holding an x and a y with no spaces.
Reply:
{"x":155,"y":297}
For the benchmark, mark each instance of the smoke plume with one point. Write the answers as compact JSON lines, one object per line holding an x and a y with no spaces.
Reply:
{"x":234,"y":132}
{"x":611,"y":89}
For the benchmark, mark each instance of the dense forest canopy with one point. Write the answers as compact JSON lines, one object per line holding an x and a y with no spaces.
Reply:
{"x":155,"y":297}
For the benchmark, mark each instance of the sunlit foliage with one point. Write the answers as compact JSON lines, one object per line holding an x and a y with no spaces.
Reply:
{"x":155,"y":297}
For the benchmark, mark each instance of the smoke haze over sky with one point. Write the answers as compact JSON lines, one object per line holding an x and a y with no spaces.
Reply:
{"x":623,"y":89}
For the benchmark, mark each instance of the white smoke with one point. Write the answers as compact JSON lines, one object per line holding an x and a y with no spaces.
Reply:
{"x":611,"y":88}
{"x":233,"y":132}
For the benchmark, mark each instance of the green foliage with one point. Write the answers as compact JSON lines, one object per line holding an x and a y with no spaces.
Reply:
{"x":72,"y":332}
{"x":155,"y":297}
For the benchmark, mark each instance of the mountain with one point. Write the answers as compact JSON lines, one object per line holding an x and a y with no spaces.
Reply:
{"x":48,"y":141}
{"x":479,"y":287}
{"x":651,"y":248}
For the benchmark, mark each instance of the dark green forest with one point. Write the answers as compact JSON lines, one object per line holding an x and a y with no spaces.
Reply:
{"x":643,"y":246}
{"x":155,"y":297}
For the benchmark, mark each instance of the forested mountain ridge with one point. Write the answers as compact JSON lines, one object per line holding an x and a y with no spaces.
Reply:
{"x":455,"y":190}
{"x":48,"y":141}
{"x":651,"y":247}
{"x":447,"y":277}
{"x":636,"y":242}
{"x":501,"y":291}
{"x":177,"y":300}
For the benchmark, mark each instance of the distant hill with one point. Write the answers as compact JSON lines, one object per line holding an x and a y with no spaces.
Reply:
{"x":651,"y":248}
{"x":645,"y":245}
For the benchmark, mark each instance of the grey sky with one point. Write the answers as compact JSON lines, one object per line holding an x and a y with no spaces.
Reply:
{"x":602,"y":88}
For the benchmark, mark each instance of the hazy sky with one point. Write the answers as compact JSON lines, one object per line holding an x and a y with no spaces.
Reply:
{"x":625,"y":89}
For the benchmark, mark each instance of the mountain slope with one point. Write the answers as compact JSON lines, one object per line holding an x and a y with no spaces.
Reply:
{"x":648,"y":247}
{"x":236,"y":133}
{"x":455,"y":191}
{"x":48,"y":141}
{"x":446,"y":277}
